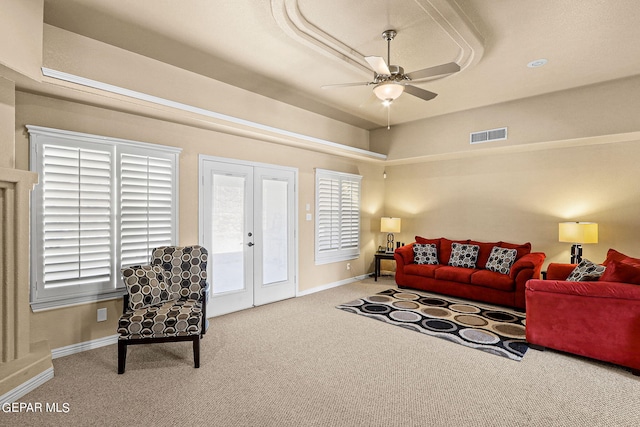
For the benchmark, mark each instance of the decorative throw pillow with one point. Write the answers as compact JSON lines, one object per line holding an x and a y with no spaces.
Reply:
{"x":147,"y":285}
{"x":586,"y":271}
{"x":425,"y":253}
{"x":501,"y":260}
{"x":463,"y":255}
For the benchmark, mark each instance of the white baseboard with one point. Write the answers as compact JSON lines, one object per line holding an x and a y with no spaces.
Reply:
{"x":83,"y":346}
{"x":26,"y":387}
{"x":332,"y":285}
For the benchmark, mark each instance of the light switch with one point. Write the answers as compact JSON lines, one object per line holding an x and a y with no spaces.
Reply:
{"x":309,"y":217}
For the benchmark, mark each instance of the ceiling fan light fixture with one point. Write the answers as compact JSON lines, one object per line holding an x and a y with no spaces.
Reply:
{"x":388,"y":91}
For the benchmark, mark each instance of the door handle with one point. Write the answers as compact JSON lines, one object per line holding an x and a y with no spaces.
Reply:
{"x":250,"y":244}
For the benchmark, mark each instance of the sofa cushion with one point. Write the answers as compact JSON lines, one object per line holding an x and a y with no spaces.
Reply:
{"x":586,"y":271}
{"x":454,"y":274}
{"x":463,"y":255}
{"x":147,"y":285}
{"x":501,"y":260}
{"x":484,"y":253}
{"x":522,"y":250}
{"x":425,"y":253}
{"x":621,"y":272}
{"x":492,"y":279}
{"x":172,"y":318}
{"x":425,"y":270}
{"x":613,"y":255}
{"x":444,"y":251}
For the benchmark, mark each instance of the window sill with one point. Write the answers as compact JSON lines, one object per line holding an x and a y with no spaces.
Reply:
{"x":73,"y":301}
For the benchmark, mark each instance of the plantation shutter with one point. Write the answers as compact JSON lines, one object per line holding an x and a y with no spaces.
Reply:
{"x":147,"y":206}
{"x":328,"y":211}
{"x":76,"y":216}
{"x":337,"y":216}
{"x":100,"y":204}
{"x":350,"y":214}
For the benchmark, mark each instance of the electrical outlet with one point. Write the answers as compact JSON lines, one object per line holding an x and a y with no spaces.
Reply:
{"x":102,"y":314}
{"x":348,"y":266}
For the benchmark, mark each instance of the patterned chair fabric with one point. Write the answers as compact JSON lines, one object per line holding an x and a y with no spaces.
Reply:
{"x":147,"y":285}
{"x":186,"y":266}
{"x":165,"y":301}
{"x":170,"y":319}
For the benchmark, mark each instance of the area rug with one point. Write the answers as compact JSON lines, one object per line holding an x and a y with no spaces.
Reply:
{"x":495,"y":330}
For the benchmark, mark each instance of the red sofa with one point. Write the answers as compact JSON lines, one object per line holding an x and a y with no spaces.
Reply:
{"x":472,"y":283}
{"x":597,"y":319}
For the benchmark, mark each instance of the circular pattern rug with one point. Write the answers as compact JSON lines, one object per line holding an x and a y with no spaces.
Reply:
{"x":496,"y":330}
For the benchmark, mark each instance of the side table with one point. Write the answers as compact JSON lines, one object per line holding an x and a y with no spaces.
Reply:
{"x":380,"y":256}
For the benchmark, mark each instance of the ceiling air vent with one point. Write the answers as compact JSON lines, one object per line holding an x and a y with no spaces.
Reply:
{"x":488,"y":135}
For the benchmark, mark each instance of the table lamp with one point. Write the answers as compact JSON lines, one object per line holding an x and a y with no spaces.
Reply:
{"x":389,"y":225}
{"x":577,"y":233}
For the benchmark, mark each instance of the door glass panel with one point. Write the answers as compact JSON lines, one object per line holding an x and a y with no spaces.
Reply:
{"x":275,"y":231}
{"x":227,"y":233}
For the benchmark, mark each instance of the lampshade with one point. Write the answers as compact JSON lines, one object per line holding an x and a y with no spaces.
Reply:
{"x":386,"y":91}
{"x":578,"y":232}
{"x":389,"y":225}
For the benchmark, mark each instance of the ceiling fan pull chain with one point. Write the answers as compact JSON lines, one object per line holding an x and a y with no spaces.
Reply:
{"x":389,"y":117}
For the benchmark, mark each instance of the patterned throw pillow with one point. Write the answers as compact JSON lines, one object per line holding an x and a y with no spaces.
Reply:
{"x":586,"y":271}
{"x":147,"y":286}
{"x":425,"y":253}
{"x":463,"y":255}
{"x":501,"y":260}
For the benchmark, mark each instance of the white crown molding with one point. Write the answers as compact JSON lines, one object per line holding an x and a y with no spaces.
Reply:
{"x":226,"y":123}
{"x":445,"y":13}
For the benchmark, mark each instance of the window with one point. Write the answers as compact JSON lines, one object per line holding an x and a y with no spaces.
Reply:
{"x":100,"y":204}
{"x":337,"y":216}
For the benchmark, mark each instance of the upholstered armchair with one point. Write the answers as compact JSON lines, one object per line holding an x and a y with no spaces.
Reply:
{"x":165,"y":301}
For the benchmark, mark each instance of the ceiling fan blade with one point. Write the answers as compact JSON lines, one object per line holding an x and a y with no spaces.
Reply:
{"x":378,"y":65}
{"x":438,"y":70}
{"x":420,"y":93}
{"x":346,"y":85}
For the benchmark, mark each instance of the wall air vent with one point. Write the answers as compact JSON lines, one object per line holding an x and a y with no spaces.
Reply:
{"x":488,"y":135}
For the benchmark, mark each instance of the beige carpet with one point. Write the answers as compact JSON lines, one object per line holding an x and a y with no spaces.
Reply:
{"x":302,"y":362}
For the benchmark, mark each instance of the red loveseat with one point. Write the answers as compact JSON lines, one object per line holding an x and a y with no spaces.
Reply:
{"x":597,"y":319}
{"x":472,"y":283}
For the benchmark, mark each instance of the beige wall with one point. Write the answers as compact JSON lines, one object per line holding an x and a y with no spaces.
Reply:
{"x":521,"y":197}
{"x":570,"y":156}
{"x":7,"y":115}
{"x":77,"y":324}
{"x":21,"y":36}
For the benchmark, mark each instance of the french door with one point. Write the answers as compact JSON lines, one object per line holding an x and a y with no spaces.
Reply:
{"x":248,"y":224}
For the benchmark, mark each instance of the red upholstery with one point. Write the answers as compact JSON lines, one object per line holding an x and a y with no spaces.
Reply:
{"x":477,"y":284}
{"x":455,"y":274}
{"x":597,"y":319}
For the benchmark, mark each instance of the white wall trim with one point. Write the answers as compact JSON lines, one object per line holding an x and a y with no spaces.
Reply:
{"x":332,"y":285}
{"x":83,"y":346}
{"x":27,"y":387}
{"x":246,"y":124}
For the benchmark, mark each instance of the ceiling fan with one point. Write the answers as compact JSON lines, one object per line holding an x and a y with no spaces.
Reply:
{"x":390,"y":81}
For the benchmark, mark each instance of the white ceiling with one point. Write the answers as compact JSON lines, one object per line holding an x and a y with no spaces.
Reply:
{"x":288,"y":49}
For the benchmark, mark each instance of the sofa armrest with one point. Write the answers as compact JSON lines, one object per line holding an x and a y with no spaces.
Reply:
{"x":525,"y":268}
{"x":403,"y":255}
{"x":559,"y":271}
{"x":532,"y":261}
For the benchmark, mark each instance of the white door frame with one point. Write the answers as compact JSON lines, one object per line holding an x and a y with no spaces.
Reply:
{"x":234,"y":162}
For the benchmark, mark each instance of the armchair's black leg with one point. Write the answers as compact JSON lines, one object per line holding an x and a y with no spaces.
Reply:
{"x":122,"y":356}
{"x":196,"y":351}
